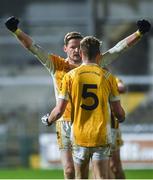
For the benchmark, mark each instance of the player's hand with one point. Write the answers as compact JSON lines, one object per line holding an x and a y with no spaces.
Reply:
{"x":12,"y":23}
{"x":44,"y":120}
{"x":121,"y":120}
{"x":143,"y":26}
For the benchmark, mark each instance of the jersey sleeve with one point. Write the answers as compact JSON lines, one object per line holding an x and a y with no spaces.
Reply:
{"x":43,"y":57}
{"x":114,"y":95}
{"x":65,"y":87}
{"x":113,"y":53}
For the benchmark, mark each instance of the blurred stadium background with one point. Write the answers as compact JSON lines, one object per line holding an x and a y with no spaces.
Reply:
{"x":26,"y":91}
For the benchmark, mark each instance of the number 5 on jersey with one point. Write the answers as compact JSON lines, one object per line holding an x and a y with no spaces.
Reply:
{"x":86,"y":93}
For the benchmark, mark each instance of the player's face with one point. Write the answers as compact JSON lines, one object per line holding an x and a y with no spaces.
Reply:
{"x":72,"y":50}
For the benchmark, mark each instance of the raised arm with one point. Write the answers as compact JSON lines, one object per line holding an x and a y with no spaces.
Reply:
{"x":12,"y":24}
{"x":108,"y":57}
{"x":26,"y":41}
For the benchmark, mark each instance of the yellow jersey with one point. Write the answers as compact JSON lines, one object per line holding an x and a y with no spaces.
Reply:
{"x":58,"y":66}
{"x":62,"y":67}
{"x":88,"y":88}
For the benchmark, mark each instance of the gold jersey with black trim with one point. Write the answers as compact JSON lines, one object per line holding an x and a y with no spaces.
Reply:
{"x":88,"y":88}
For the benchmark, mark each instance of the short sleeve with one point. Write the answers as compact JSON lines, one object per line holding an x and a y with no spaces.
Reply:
{"x":114,"y":95}
{"x":65,"y":87}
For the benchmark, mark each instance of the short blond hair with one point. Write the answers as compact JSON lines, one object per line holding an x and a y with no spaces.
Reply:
{"x":72,"y":35}
{"x":90,"y":46}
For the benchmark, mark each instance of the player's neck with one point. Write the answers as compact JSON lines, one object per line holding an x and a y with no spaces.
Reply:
{"x":91,"y":61}
{"x":74,"y":62}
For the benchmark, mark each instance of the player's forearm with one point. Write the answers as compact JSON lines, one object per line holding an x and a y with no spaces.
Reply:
{"x":127,"y":42}
{"x":120,"y":115}
{"x":58,"y":111}
{"x":24,"y":39}
{"x":133,"y":38}
{"x":54,"y":115}
{"x":118,"y":110}
{"x":113,"y":53}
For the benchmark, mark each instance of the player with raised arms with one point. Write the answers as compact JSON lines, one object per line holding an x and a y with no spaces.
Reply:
{"x":58,"y":66}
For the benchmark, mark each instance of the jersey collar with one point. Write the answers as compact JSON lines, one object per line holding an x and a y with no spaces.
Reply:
{"x":90,"y":64}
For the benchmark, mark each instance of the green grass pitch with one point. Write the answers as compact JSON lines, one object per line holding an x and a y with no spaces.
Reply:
{"x":58,"y":174}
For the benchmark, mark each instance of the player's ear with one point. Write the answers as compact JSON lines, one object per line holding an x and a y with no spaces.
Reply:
{"x":80,"y":52}
{"x":98,"y":58}
{"x":65,"y":48}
